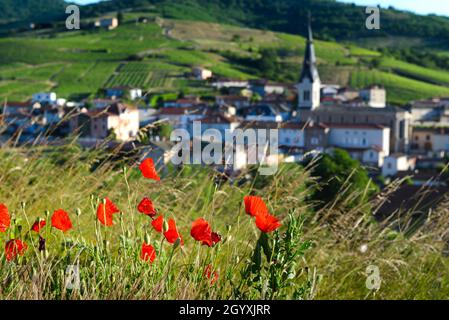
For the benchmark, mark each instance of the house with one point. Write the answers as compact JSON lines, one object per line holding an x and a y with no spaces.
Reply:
{"x":374,"y":96}
{"x":397,"y":162}
{"x":186,"y":102}
{"x":237,"y":101}
{"x":369,"y":144}
{"x":397,"y":119}
{"x":292,"y":135}
{"x":430,"y":139}
{"x":45,"y":97}
{"x":124,"y":92}
{"x":107,"y":23}
{"x":183,"y":117}
{"x":217,"y":125}
{"x":230,"y":84}
{"x":429,"y":112}
{"x":201,"y":73}
{"x":329,"y":90}
{"x":266,"y":112}
{"x":264,"y":87}
{"x":117,"y":119}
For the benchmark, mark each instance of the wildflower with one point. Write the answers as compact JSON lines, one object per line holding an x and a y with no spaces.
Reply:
{"x":267,"y":223}
{"x":158,"y":224}
{"x":146,"y":207}
{"x":15,"y":247}
{"x":61,"y":221}
{"x":148,"y":169}
{"x":147,"y":253}
{"x":201,"y":231}
{"x":38,"y":225}
{"x":363,"y":248}
{"x":5,"y":219}
{"x":255,"y":206}
{"x":106,"y":210}
{"x":172,"y":233}
{"x":210,"y":274}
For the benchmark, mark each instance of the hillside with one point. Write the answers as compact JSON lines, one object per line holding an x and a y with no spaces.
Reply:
{"x":16,"y":10}
{"x":155,"y":56}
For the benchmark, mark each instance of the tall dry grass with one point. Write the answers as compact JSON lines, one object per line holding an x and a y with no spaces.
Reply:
{"x":34,"y":181}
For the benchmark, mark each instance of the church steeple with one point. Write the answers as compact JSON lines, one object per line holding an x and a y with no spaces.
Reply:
{"x":309,"y":68}
{"x":309,"y":85}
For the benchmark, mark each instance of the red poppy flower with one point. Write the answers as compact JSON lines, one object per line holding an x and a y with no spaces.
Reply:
{"x":38,"y":225}
{"x":172,"y":233}
{"x":267,"y":223}
{"x":146,"y":207}
{"x":61,"y":221}
{"x":147,"y":253}
{"x":148,"y":170}
{"x":158,"y":224}
{"x":255,"y":206}
{"x":210,"y":274}
{"x":15,"y":247}
{"x":106,"y":210}
{"x":201,"y":231}
{"x":5,"y":219}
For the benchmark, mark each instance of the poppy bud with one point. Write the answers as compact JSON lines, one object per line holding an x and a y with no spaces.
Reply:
{"x":165,"y":226}
{"x":78,"y":212}
{"x":147,"y":238}
{"x":23,"y":204}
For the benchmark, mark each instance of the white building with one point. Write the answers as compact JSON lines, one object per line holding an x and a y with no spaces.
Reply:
{"x":45,"y":97}
{"x":369,"y":144}
{"x":397,"y":163}
{"x":181,"y":118}
{"x":292,"y":135}
{"x":374,"y":96}
{"x":201,"y":73}
{"x":108,"y":23}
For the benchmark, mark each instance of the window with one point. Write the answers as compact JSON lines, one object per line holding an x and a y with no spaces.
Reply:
{"x":364,"y":141}
{"x":306,"y":95}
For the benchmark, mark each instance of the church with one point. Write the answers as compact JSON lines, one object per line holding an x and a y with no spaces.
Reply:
{"x":311,"y":107}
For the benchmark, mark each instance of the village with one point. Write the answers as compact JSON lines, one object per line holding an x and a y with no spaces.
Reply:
{"x":311,"y":118}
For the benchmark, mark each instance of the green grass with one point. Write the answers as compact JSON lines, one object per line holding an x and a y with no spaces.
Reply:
{"x":417,"y":72}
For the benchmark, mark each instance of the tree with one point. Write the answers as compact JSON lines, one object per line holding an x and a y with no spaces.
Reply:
{"x":120,"y":17}
{"x":268,"y":64}
{"x":339,"y":175}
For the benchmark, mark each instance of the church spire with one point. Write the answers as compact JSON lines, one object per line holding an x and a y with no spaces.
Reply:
{"x":309,"y":68}
{"x":309,"y":86}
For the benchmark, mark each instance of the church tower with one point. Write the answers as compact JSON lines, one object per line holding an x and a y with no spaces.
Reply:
{"x":309,"y":85}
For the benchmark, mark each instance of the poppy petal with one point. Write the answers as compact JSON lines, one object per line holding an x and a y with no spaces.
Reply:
{"x":5,"y":219}
{"x":172,"y":233}
{"x":61,"y":220}
{"x":106,"y":210}
{"x":15,"y":247}
{"x":255,"y":206}
{"x":38,"y":225}
{"x":146,"y":207}
{"x":148,"y":169}
{"x":147,"y":253}
{"x":158,"y":224}
{"x":267,"y":223}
